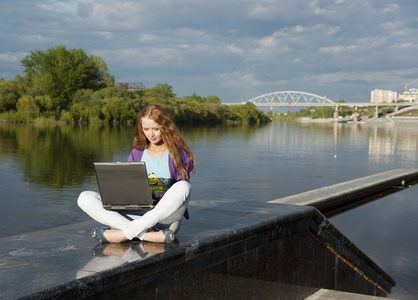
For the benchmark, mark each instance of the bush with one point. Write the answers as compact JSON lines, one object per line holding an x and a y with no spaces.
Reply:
{"x":27,"y":109}
{"x":9,"y":95}
{"x":66,"y":117}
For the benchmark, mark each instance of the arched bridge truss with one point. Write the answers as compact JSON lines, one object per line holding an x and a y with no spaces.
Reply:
{"x":291,"y":98}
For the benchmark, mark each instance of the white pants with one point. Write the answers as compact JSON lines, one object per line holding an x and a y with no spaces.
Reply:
{"x":168,"y":213}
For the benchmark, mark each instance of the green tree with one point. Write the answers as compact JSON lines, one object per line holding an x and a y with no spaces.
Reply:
{"x":162,"y":90}
{"x":208,"y":99}
{"x":213,"y":99}
{"x":44,"y":103}
{"x":195,"y":97}
{"x":118,"y":110}
{"x":27,"y":108}
{"x":249,"y":113}
{"x":111,"y":92}
{"x":82,"y":96}
{"x":10,"y":92}
{"x":59,"y":73}
{"x":78,"y":112}
{"x":106,"y":79}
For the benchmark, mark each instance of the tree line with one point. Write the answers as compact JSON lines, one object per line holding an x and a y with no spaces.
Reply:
{"x":313,"y":112}
{"x":67,"y":85}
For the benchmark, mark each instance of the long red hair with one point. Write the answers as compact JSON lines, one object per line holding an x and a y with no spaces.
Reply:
{"x":170,"y":135}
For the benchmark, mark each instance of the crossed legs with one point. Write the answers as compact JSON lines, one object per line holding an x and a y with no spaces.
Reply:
{"x":167,"y":213}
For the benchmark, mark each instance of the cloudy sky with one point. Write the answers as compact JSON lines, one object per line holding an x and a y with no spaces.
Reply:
{"x":234,"y":49}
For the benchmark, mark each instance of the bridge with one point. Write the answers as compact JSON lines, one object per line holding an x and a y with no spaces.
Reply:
{"x":291,"y":98}
{"x":303,"y":99}
{"x":129,"y":85}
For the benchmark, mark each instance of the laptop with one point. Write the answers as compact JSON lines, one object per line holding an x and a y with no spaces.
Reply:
{"x":124,"y":185}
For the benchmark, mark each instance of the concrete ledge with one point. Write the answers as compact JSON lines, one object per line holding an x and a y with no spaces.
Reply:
{"x":355,"y":192}
{"x":323,"y":294}
{"x":237,"y":247}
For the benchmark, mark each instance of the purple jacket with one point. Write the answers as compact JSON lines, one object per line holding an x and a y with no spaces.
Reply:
{"x":136,"y":155}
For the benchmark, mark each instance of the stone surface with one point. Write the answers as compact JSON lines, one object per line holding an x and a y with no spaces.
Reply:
{"x":261,"y":249}
{"x":339,"y":197}
{"x":323,"y":294}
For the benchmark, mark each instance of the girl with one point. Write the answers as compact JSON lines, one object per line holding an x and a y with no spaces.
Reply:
{"x":169,"y":161}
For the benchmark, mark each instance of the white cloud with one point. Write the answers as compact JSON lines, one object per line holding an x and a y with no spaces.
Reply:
{"x":389,"y":25}
{"x":333,"y":30}
{"x":302,"y":29}
{"x":338,"y":49}
{"x":236,"y":79}
{"x":263,"y":9}
{"x":234,"y":49}
{"x":318,"y":10}
{"x":106,"y":34}
{"x":391,"y":8}
{"x":256,"y":46}
{"x":12,"y":58}
{"x":408,"y":45}
{"x":59,"y":6}
{"x":244,"y":79}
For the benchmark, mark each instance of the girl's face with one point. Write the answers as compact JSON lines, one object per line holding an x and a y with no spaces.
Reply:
{"x":152,"y":131}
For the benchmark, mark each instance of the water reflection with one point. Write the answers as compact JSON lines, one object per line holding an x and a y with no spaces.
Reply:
{"x":385,"y":230}
{"x":60,"y":156}
{"x":110,"y":255}
{"x":387,"y":143}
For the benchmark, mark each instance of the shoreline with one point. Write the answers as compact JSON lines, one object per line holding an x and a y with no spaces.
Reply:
{"x":371,"y":120}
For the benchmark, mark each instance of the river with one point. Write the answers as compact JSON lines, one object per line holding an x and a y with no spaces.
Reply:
{"x":43,"y":168}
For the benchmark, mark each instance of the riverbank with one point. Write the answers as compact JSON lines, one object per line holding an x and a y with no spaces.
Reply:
{"x":364,"y":115}
{"x":369,"y":120}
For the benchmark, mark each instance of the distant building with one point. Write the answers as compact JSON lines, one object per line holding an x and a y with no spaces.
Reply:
{"x":409,"y":96}
{"x":383,"y":96}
